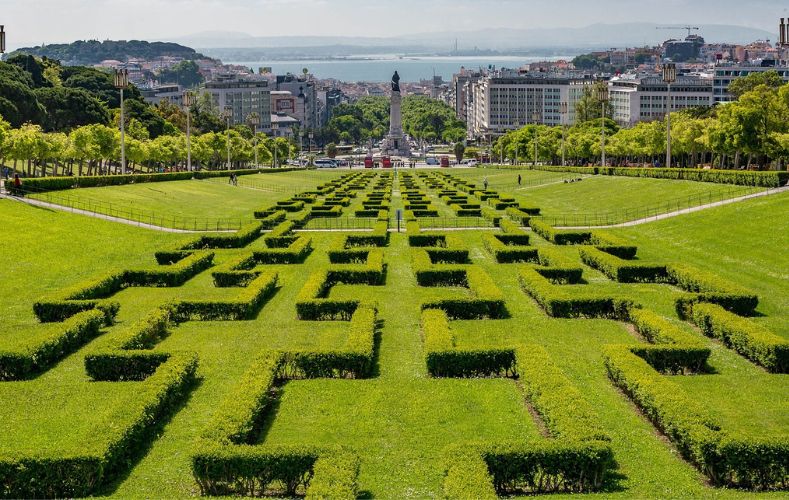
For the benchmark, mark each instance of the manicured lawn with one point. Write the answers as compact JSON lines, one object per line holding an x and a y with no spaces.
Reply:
{"x":400,"y":420}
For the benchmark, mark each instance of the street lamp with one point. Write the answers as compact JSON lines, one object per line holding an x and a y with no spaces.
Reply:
{"x":274,"y":129}
{"x":254,"y":120}
{"x":188,"y":103}
{"x":602,"y":94}
{"x":563,"y":110}
{"x":2,"y":39}
{"x":301,"y":146}
{"x":517,"y":144}
{"x":535,"y":117}
{"x":309,"y":145}
{"x":121,"y":82}
{"x":669,"y":76}
{"x":227,"y":115}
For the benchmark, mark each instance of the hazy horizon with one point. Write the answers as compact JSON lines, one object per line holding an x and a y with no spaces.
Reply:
{"x":61,"y":21}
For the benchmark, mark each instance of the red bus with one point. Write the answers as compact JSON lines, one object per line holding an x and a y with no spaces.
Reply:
{"x":368,"y":162}
{"x":445,"y":161}
{"x":386,"y":162}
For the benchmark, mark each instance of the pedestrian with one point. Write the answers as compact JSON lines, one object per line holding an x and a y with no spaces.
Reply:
{"x":485,"y":183}
{"x":519,"y":179}
{"x":17,"y":184}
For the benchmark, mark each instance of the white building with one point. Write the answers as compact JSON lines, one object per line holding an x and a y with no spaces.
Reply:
{"x":242,"y":98}
{"x":501,"y":103}
{"x":635,"y":99}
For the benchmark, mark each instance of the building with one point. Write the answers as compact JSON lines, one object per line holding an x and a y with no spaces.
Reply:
{"x":506,"y":101}
{"x":460,"y":91}
{"x":242,"y":98}
{"x":331,"y":98}
{"x":635,"y":99}
{"x":306,"y":94}
{"x":153,"y":95}
{"x":683,"y":50}
{"x":724,"y":75}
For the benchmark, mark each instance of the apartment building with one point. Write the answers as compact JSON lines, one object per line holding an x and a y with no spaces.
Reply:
{"x":242,"y":98}
{"x":645,"y":98}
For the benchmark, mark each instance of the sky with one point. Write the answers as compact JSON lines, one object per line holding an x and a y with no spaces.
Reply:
{"x":32,"y":22}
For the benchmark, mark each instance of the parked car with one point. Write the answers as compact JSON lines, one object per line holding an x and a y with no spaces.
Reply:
{"x":432,"y":160}
{"x":325,"y":163}
{"x":471,"y":163}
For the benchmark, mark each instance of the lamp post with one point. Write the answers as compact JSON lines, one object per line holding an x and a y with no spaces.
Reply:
{"x":2,"y":39}
{"x":669,"y":76}
{"x":121,"y":82}
{"x":563,"y":110}
{"x":535,"y":117}
{"x":254,"y":120}
{"x":274,"y":128}
{"x":309,"y":145}
{"x":517,"y":144}
{"x":227,"y":115}
{"x":188,"y":103}
{"x":603,"y":96}
{"x":301,"y":146}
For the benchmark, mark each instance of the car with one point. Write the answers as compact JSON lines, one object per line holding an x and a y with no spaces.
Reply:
{"x":432,"y":160}
{"x":471,"y":163}
{"x":325,"y":163}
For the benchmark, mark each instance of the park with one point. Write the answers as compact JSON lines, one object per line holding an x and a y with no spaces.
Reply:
{"x":356,"y":333}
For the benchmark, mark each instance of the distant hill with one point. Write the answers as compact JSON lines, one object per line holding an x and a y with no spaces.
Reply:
{"x":595,"y":36}
{"x":90,"y":52}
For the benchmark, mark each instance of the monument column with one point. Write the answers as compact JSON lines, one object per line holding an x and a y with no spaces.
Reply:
{"x":395,"y":143}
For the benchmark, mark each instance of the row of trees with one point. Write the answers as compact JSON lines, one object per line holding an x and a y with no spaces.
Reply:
{"x":753,"y":130}
{"x":95,"y":149}
{"x":368,"y":119}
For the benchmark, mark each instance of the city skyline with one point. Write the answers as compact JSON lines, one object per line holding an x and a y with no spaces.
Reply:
{"x":61,"y":21}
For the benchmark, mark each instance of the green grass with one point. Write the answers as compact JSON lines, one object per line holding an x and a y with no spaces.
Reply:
{"x":195,"y":204}
{"x":400,"y":420}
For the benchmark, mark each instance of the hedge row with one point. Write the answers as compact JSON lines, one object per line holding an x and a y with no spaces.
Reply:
{"x":31,"y":359}
{"x":507,"y":253}
{"x":241,"y":238}
{"x":429,"y":274}
{"x":416,"y":238}
{"x":244,"y":307}
{"x":272,"y":219}
{"x":280,"y":236}
{"x":675,"y":350}
{"x":354,"y":360}
{"x":563,"y":409}
{"x":614,"y":245}
{"x":45,"y":184}
{"x":558,"y":268}
{"x":525,"y":467}
{"x":709,"y":287}
{"x":734,"y":461}
{"x":325,"y":211}
{"x":738,"y":177}
{"x":519,"y":216}
{"x":559,"y":303}
{"x":746,"y":337}
{"x":379,"y":237}
{"x":560,"y":237}
{"x":443,"y":359}
{"x":487,"y":303}
{"x":620,"y":270}
{"x":81,"y":474}
{"x":123,"y":366}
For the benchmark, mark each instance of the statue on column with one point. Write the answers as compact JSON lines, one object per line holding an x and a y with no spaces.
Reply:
{"x":395,"y":82}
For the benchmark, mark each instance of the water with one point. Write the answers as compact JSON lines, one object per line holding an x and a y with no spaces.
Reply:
{"x":380,"y":69}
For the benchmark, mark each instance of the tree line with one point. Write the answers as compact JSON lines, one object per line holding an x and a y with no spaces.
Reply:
{"x":753,"y":130}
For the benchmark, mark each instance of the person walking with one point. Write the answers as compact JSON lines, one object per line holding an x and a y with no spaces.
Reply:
{"x":485,"y":183}
{"x":519,"y":179}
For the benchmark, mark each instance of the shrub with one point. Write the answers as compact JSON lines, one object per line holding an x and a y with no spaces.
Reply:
{"x":241,"y":238}
{"x":709,"y":288}
{"x":746,"y":337}
{"x":519,"y":216}
{"x":509,"y":254}
{"x":36,"y":357}
{"x":466,"y":475}
{"x":295,"y":253}
{"x":281,"y":236}
{"x":488,"y":301}
{"x":560,"y":237}
{"x":738,"y":177}
{"x":117,"y":366}
{"x":614,"y":245}
{"x":271,"y":220}
{"x":244,"y":307}
{"x":565,"y":412}
{"x":621,"y":270}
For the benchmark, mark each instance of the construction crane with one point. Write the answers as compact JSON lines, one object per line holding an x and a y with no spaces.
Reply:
{"x":689,"y":28}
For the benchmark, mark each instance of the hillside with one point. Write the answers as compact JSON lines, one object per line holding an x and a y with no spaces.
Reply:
{"x":89,"y":52}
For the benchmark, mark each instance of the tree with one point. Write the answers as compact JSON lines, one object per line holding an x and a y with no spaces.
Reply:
{"x":67,"y":108}
{"x":460,"y":150}
{"x":185,"y":73}
{"x":331,"y":150}
{"x":744,"y":84}
{"x":589,"y":106}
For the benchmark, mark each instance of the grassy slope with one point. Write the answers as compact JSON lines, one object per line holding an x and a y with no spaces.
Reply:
{"x":184,"y":201}
{"x":400,"y":420}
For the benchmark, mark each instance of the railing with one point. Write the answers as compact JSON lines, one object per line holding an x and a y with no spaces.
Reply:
{"x":141,"y":217}
{"x":358,"y":223}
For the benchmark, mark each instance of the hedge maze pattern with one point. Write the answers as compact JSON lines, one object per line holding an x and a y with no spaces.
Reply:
{"x":575,"y":452}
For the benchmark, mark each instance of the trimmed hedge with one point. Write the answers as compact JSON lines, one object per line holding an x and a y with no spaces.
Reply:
{"x":746,"y":337}
{"x":241,"y":238}
{"x":614,"y":245}
{"x":560,"y":237}
{"x":379,"y":237}
{"x":623,"y":271}
{"x":443,"y":359}
{"x":708,"y":287}
{"x":119,"y":366}
{"x":37,"y":357}
{"x":244,"y":307}
{"x":563,"y":409}
{"x":280,"y":236}
{"x":45,"y":184}
{"x":677,"y":351}
{"x":737,"y":177}
{"x":271,"y":220}
{"x":525,"y":467}
{"x":49,"y":475}
{"x":509,"y":254}
{"x":519,"y":216}
{"x":488,"y":301}
{"x":558,"y":303}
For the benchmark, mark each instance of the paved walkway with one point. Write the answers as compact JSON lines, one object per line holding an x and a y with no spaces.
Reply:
{"x":684,"y":211}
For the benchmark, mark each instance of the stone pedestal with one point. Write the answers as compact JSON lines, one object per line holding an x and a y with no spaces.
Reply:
{"x":395,"y":143}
